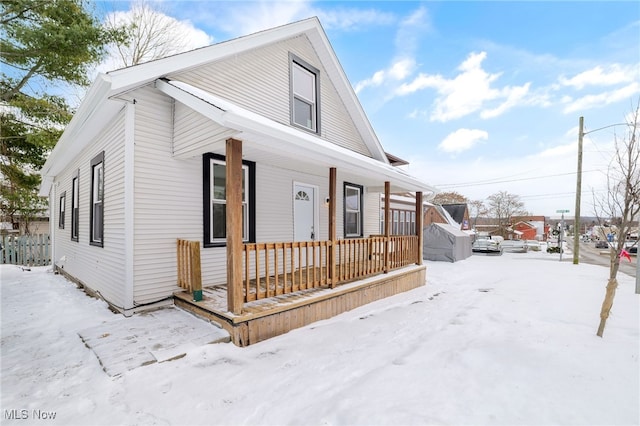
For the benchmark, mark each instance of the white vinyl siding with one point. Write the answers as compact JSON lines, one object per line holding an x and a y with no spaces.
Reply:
{"x":99,"y":269}
{"x":195,"y":134}
{"x":168,"y":199}
{"x":259,"y":81}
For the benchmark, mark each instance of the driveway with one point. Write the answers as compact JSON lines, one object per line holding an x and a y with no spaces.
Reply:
{"x":590,"y":254}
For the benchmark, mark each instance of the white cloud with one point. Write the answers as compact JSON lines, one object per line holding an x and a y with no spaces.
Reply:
{"x":410,"y":30}
{"x":462,"y":140}
{"x":241,"y":18}
{"x":352,"y":19}
{"x":599,"y":76}
{"x":468,"y":92}
{"x":601,"y":99}
{"x":514,"y":95}
{"x":406,"y":43}
{"x":398,"y":70}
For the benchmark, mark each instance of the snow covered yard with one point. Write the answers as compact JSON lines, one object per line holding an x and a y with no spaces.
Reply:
{"x":506,"y":340}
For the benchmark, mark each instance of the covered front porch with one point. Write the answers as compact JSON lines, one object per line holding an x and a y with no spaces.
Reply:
{"x":274,"y":287}
{"x":280,"y":280}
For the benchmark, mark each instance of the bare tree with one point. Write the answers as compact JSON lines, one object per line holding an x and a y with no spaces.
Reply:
{"x":622,"y":202}
{"x":449,"y":198}
{"x":502,"y":206}
{"x":477,"y":209}
{"x":151,"y":34}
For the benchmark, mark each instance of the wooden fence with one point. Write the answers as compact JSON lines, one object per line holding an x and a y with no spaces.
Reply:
{"x":25,"y":250}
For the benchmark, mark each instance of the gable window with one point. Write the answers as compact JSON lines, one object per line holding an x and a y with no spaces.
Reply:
{"x":63,"y":197}
{"x":75,"y":211}
{"x":352,"y":210}
{"x":97,"y":201}
{"x":305,"y":85}
{"x":215,"y":200}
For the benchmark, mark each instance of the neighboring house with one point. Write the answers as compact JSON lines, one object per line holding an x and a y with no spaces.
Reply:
{"x":435,"y":213}
{"x":256,"y":149}
{"x":403,"y":217}
{"x":459,"y":212}
{"x":402,"y":214}
{"x":537,"y":222}
{"x":524,"y":231}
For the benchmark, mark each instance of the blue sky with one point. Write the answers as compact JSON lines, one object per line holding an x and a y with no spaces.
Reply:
{"x":479,"y":96}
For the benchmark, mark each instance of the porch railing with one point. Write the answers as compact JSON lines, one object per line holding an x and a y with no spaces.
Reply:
{"x":189,"y":271}
{"x":272,"y":269}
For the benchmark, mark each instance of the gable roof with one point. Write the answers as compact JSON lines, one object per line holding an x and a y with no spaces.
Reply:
{"x":101,"y":102}
{"x":456,"y":211}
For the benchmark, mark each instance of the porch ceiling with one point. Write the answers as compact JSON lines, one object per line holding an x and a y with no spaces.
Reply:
{"x":267,"y":141}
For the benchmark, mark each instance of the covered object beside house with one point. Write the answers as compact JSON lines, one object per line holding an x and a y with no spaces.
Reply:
{"x":445,"y":243}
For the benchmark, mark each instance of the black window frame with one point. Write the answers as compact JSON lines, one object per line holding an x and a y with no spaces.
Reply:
{"x":75,"y":206}
{"x":207,"y":202}
{"x":297,"y":61}
{"x":360,"y":188}
{"x":98,"y":160}
{"x":61,"y":209}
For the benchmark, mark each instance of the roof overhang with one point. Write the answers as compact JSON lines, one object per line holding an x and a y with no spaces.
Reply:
{"x":293,"y":144}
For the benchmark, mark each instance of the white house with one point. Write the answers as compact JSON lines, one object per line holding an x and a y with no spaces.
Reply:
{"x":238,"y":145}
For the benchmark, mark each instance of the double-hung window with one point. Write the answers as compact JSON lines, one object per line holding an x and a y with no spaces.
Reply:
{"x":305,"y":85}
{"x":352,"y":210}
{"x":75,"y":211}
{"x":63,"y":198}
{"x":97,"y":201}
{"x":215,"y":200}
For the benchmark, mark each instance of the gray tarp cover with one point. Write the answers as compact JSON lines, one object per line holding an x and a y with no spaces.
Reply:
{"x":445,"y":243}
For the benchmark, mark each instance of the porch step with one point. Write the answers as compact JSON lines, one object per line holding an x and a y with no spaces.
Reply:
{"x":146,"y":338}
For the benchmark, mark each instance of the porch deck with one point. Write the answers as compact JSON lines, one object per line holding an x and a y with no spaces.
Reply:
{"x":272,"y":316}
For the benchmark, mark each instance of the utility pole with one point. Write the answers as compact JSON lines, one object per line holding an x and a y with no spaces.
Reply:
{"x":576,"y":223}
{"x":561,"y":234}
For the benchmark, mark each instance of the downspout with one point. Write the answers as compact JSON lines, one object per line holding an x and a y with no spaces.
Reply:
{"x":129,"y":205}
{"x":52,"y":221}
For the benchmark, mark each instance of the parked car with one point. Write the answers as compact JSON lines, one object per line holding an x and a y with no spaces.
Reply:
{"x":602,"y":244}
{"x":486,"y":246}
{"x":514,"y":246}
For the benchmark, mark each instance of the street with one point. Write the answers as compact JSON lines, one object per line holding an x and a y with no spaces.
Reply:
{"x":589,"y":254}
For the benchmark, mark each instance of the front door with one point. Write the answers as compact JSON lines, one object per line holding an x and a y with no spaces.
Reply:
{"x":304,"y":212}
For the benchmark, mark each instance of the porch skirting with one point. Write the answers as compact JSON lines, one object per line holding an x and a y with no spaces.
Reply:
{"x":263,"y":319}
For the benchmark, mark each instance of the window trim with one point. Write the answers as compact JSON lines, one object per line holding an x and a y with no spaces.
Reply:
{"x":207,"y":160}
{"x":297,"y":61}
{"x":75,"y":206}
{"x":360,"y":189}
{"x":61,"y":209}
{"x":98,"y":160}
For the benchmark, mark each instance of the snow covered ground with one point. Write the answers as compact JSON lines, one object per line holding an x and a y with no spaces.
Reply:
{"x":506,"y":340}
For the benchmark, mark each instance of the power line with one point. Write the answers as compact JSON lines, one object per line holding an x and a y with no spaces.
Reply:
{"x":492,"y":182}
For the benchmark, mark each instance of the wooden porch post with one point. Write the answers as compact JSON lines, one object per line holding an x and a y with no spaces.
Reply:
{"x":387,"y":226}
{"x":419,"y":221}
{"x":331,"y":258}
{"x":233,"y":189}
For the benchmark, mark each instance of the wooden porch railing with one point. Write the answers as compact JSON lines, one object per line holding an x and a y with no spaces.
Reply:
{"x":273,"y":269}
{"x":189,"y":273}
